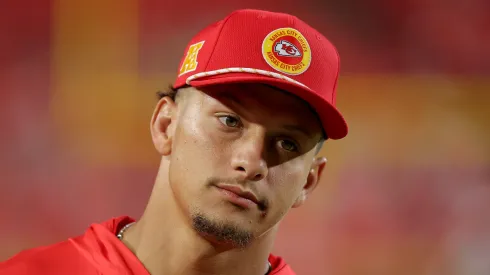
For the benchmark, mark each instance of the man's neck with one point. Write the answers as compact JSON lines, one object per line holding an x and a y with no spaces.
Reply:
{"x":167,"y":244}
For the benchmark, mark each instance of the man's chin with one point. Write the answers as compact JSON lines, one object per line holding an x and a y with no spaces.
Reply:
{"x":222,"y":234}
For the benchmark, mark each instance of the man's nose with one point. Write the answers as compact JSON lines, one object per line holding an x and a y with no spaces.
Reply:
{"x":249,"y":159}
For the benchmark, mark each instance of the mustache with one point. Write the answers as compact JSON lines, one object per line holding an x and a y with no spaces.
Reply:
{"x":247,"y":185}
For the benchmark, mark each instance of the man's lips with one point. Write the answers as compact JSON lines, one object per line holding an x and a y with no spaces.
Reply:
{"x":240,"y":193}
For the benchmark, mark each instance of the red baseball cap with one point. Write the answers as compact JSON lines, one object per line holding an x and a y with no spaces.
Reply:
{"x":278,"y":49}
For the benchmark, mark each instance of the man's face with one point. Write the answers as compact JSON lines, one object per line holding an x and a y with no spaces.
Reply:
{"x":241,"y":157}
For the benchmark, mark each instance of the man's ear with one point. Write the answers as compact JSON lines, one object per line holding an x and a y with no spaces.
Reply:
{"x":312,"y":180}
{"x":161,"y":125}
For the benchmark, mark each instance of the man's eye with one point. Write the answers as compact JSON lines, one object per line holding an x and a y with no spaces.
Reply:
{"x":229,"y":121}
{"x":288,"y":145}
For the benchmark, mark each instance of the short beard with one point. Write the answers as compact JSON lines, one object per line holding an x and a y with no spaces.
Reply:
{"x":221,"y":232}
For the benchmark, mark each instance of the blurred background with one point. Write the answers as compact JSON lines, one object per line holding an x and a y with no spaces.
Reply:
{"x":407,"y":192}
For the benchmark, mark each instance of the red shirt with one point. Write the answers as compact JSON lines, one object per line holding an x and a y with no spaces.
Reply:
{"x":97,"y":252}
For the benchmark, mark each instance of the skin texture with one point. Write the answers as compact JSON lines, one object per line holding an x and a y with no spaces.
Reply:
{"x":248,"y":136}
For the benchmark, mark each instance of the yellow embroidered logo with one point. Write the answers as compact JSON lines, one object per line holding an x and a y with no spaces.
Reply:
{"x":190,"y":61}
{"x":287,"y":51}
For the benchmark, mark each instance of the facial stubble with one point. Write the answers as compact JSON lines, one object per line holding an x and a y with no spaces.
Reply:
{"x":221,"y":231}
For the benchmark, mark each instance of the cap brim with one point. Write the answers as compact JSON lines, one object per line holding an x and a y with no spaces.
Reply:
{"x":332,"y":120}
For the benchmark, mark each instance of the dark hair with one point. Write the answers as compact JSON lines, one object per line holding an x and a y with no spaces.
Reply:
{"x":170,"y":92}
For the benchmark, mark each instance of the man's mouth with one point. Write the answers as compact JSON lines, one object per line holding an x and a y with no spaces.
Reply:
{"x":241,"y":197}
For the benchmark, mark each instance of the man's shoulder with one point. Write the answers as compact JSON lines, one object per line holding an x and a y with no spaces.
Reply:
{"x":52,"y":259}
{"x":96,"y":251}
{"x":279,"y":266}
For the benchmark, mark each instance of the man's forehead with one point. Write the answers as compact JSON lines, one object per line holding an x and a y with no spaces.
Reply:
{"x":261,"y":94}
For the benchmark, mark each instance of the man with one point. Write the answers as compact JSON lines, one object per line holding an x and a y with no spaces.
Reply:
{"x":238,"y":133}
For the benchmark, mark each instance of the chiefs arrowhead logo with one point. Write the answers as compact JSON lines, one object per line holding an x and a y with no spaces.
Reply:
{"x":287,"y":51}
{"x":285,"y":48}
